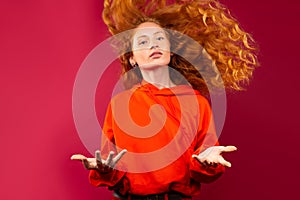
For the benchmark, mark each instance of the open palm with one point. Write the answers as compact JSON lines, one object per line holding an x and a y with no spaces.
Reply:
{"x":212,"y":155}
{"x":98,"y":163}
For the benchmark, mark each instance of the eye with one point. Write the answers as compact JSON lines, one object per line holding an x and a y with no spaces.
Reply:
{"x":160,"y":38}
{"x":142,"y":42}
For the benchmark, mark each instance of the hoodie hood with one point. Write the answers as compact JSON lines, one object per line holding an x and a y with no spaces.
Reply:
{"x":176,"y":90}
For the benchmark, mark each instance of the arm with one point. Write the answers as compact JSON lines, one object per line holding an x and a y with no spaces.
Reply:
{"x":107,"y":172}
{"x":202,"y":172}
{"x":207,"y":164}
{"x":112,"y":177}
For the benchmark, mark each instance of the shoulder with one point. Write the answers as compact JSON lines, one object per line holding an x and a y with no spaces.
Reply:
{"x":187,"y":90}
{"x":126,"y":94}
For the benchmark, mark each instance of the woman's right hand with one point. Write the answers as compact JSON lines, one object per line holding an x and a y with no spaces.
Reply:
{"x":97,"y":163}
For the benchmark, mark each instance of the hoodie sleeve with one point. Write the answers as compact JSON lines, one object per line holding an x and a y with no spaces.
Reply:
{"x":113,"y":178}
{"x":206,"y":137}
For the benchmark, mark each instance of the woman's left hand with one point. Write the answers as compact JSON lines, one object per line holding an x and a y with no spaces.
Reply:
{"x":212,"y":156}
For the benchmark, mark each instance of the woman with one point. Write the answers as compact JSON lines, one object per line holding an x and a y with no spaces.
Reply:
{"x":178,"y":149}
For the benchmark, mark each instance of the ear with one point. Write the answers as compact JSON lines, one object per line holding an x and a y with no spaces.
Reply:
{"x":132,"y":61}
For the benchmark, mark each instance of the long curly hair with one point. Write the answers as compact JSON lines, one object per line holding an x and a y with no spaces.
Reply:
{"x":228,"y":54}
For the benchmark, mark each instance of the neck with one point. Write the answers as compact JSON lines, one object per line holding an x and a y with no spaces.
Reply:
{"x":159,"y":77}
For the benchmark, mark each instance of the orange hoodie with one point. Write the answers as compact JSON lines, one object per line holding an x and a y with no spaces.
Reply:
{"x":160,"y":141}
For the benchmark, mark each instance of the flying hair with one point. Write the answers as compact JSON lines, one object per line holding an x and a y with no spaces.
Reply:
{"x":232,"y":52}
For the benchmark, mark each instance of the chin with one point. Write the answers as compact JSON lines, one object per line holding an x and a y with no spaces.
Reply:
{"x":153,"y":66}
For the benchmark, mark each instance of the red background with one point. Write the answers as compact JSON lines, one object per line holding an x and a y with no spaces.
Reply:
{"x":43,"y":44}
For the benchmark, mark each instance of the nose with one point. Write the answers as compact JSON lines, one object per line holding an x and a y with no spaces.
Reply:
{"x":153,"y":45}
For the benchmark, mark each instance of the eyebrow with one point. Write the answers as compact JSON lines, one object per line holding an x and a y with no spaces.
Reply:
{"x":153,"y":34}
{"x":158,"y":32}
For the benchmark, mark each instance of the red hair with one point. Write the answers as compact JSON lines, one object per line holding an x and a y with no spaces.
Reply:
{"x":232,"y":50}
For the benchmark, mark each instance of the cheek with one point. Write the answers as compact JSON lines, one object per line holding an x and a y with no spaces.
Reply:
{"x":168,"y":58}
{"x":140,"y":56}
{"x":165,"y":46}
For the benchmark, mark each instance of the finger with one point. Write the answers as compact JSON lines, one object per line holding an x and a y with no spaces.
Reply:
{"x":86,"y":164}
{"x":214,"y":165}
{"x":203,"y":162}
{"x":228,"y":148}
{"x":78,"y":157}
{"x":223,"y":162}
{"x":109,"y":158}
{"x":211,"y":163}
{"x":98,"y":157}
{"x":197,"y":157}
{"x":118,"y":157}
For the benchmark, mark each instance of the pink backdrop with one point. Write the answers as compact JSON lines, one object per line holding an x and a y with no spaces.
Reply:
{"x":43,"y":44}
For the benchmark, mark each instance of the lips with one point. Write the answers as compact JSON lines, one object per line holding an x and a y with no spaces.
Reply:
{"x":155,"y":54}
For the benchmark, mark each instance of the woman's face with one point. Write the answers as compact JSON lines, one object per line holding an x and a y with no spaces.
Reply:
{"x":150,"y":46}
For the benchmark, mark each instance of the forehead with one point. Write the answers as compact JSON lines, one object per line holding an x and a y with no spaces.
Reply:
{"x":148,"y":28}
